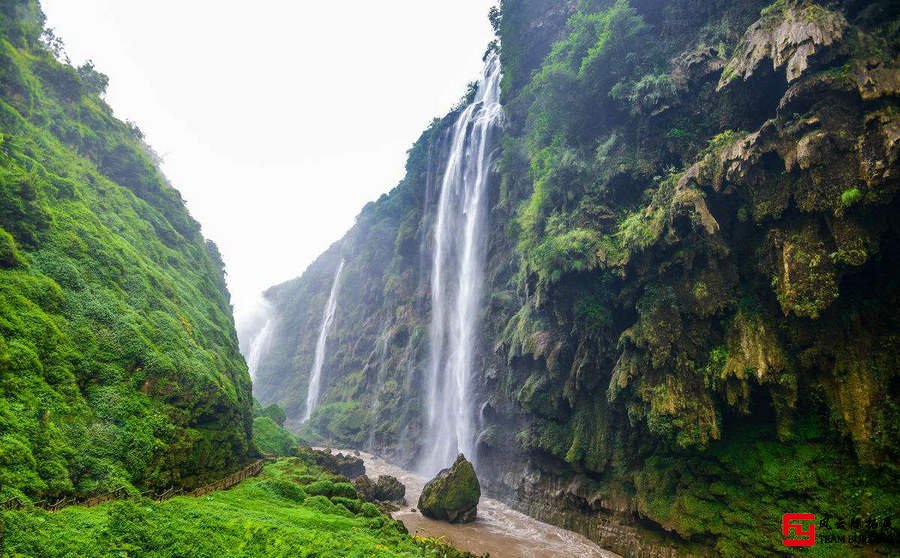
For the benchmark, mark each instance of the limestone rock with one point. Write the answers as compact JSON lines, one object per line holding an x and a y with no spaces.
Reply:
{"x":453,"y":494}
{"x":789,"y":36}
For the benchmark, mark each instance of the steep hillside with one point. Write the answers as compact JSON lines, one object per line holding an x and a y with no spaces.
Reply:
{"x":691,"y":316}
{"x":119,"y":362}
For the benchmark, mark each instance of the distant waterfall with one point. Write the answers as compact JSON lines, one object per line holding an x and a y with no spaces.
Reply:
{"x":259,"y":345}
{"x":315,"y":374}
{"x":457,"y":275}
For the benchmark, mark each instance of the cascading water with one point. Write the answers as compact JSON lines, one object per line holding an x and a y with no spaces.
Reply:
{"x":259,"y":345}
{"x":315,"y":374}
{"x":457,"y":275}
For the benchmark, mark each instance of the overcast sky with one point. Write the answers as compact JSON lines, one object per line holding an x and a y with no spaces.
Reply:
{"x":278,"y":120}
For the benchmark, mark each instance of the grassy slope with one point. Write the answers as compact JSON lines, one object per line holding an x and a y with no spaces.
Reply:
{"x":118,"y":357}
{"x":266,"y":516}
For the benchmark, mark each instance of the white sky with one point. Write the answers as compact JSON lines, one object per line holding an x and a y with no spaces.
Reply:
{"x":278,"y":120}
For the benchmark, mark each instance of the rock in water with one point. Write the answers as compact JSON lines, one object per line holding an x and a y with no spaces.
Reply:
{"x":389,"y":489}
{"x":365,"y":488}
{"x":339,"y":463}
{"x":386,"y":489}
{"x":453,"y":494}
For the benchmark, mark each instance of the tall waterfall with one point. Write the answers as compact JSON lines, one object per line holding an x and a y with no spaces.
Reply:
{"x":457,"y":275}
{"x":315,"y":374}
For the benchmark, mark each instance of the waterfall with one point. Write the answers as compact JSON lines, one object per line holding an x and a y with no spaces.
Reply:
{"x":315,"y":374}
{"x":258,"y":346}
{"x":457,"y":275}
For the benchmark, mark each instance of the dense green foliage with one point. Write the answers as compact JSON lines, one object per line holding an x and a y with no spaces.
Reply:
{"x":269,"y":438}
{"x":272,"y":515}
{"x":118,"y":358}
{"x":691,"y":312}
{"x":269,"y":435}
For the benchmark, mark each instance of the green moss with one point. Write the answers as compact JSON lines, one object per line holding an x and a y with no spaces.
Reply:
{"x":265,"y":516}
{"x":120,"y":362}
{"x":851,"y":197}
{"x":453,"y":494}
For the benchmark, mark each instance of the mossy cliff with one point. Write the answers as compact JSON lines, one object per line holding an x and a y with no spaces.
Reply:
{"x":691,"y":311}
{"x":119,"y":362}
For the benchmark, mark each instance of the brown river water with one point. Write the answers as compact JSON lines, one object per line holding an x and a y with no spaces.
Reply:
{"x":499,"y":530}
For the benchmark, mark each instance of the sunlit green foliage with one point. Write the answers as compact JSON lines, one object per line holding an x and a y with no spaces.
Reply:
{"x":270,"y":515}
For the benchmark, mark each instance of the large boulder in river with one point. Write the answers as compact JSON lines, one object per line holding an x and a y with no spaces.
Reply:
{"x":345,"y":465}
{"x":453,"y":494}
{"x":385,"y":489}
{"x":389,"y":489}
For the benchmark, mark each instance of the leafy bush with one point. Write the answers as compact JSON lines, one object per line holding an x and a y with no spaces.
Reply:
{"x":328,"y":489}
{"x":284,"y":488}
{"x":8,"y":255}
{"x":851,"y":197}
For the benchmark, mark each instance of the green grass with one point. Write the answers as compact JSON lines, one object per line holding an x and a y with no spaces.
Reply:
{"x":269,"y":515}
{"x":270,"y":438}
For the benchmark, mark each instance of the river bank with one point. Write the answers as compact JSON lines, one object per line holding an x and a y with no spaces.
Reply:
{"x":499,"y":530}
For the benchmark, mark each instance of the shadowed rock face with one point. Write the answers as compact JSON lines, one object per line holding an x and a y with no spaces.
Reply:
{"x":453,"y":494}
{"x":389,"y":489}
{"x":340,"y":464}
{"x":386,"y":489}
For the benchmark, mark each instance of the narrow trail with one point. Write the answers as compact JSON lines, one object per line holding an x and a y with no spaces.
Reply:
{"x":224,"y":483}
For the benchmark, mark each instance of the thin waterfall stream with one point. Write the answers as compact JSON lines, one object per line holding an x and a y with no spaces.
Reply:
{"x":315,"y":374}
{"x":259,"y":345}
{"x":457,"y":275}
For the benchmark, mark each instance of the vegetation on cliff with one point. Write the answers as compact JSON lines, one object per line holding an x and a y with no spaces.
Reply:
{"x":691,"y":314}
{"x":119,"y":364}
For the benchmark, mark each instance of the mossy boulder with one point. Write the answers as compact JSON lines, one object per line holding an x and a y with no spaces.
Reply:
{"x":365,"y":488}
{"x":389,"y":489}
{"x":453,"y":494}
{"x":386,"y":489}
{"x":341,"y":464}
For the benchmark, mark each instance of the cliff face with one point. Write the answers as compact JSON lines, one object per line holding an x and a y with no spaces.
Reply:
{"x":690,"y":321}
{"x":118,"y":358}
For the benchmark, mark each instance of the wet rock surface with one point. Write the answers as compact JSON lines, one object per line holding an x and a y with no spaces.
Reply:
{"x":385,"y":489}
{"x":345,"y":465}
{"x":453,"y":494}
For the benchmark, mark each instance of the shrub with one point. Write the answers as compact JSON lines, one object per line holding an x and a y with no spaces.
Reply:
{"x":8,"y":255}
{"x":284,"y":489}
{"x":851,"y":197}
